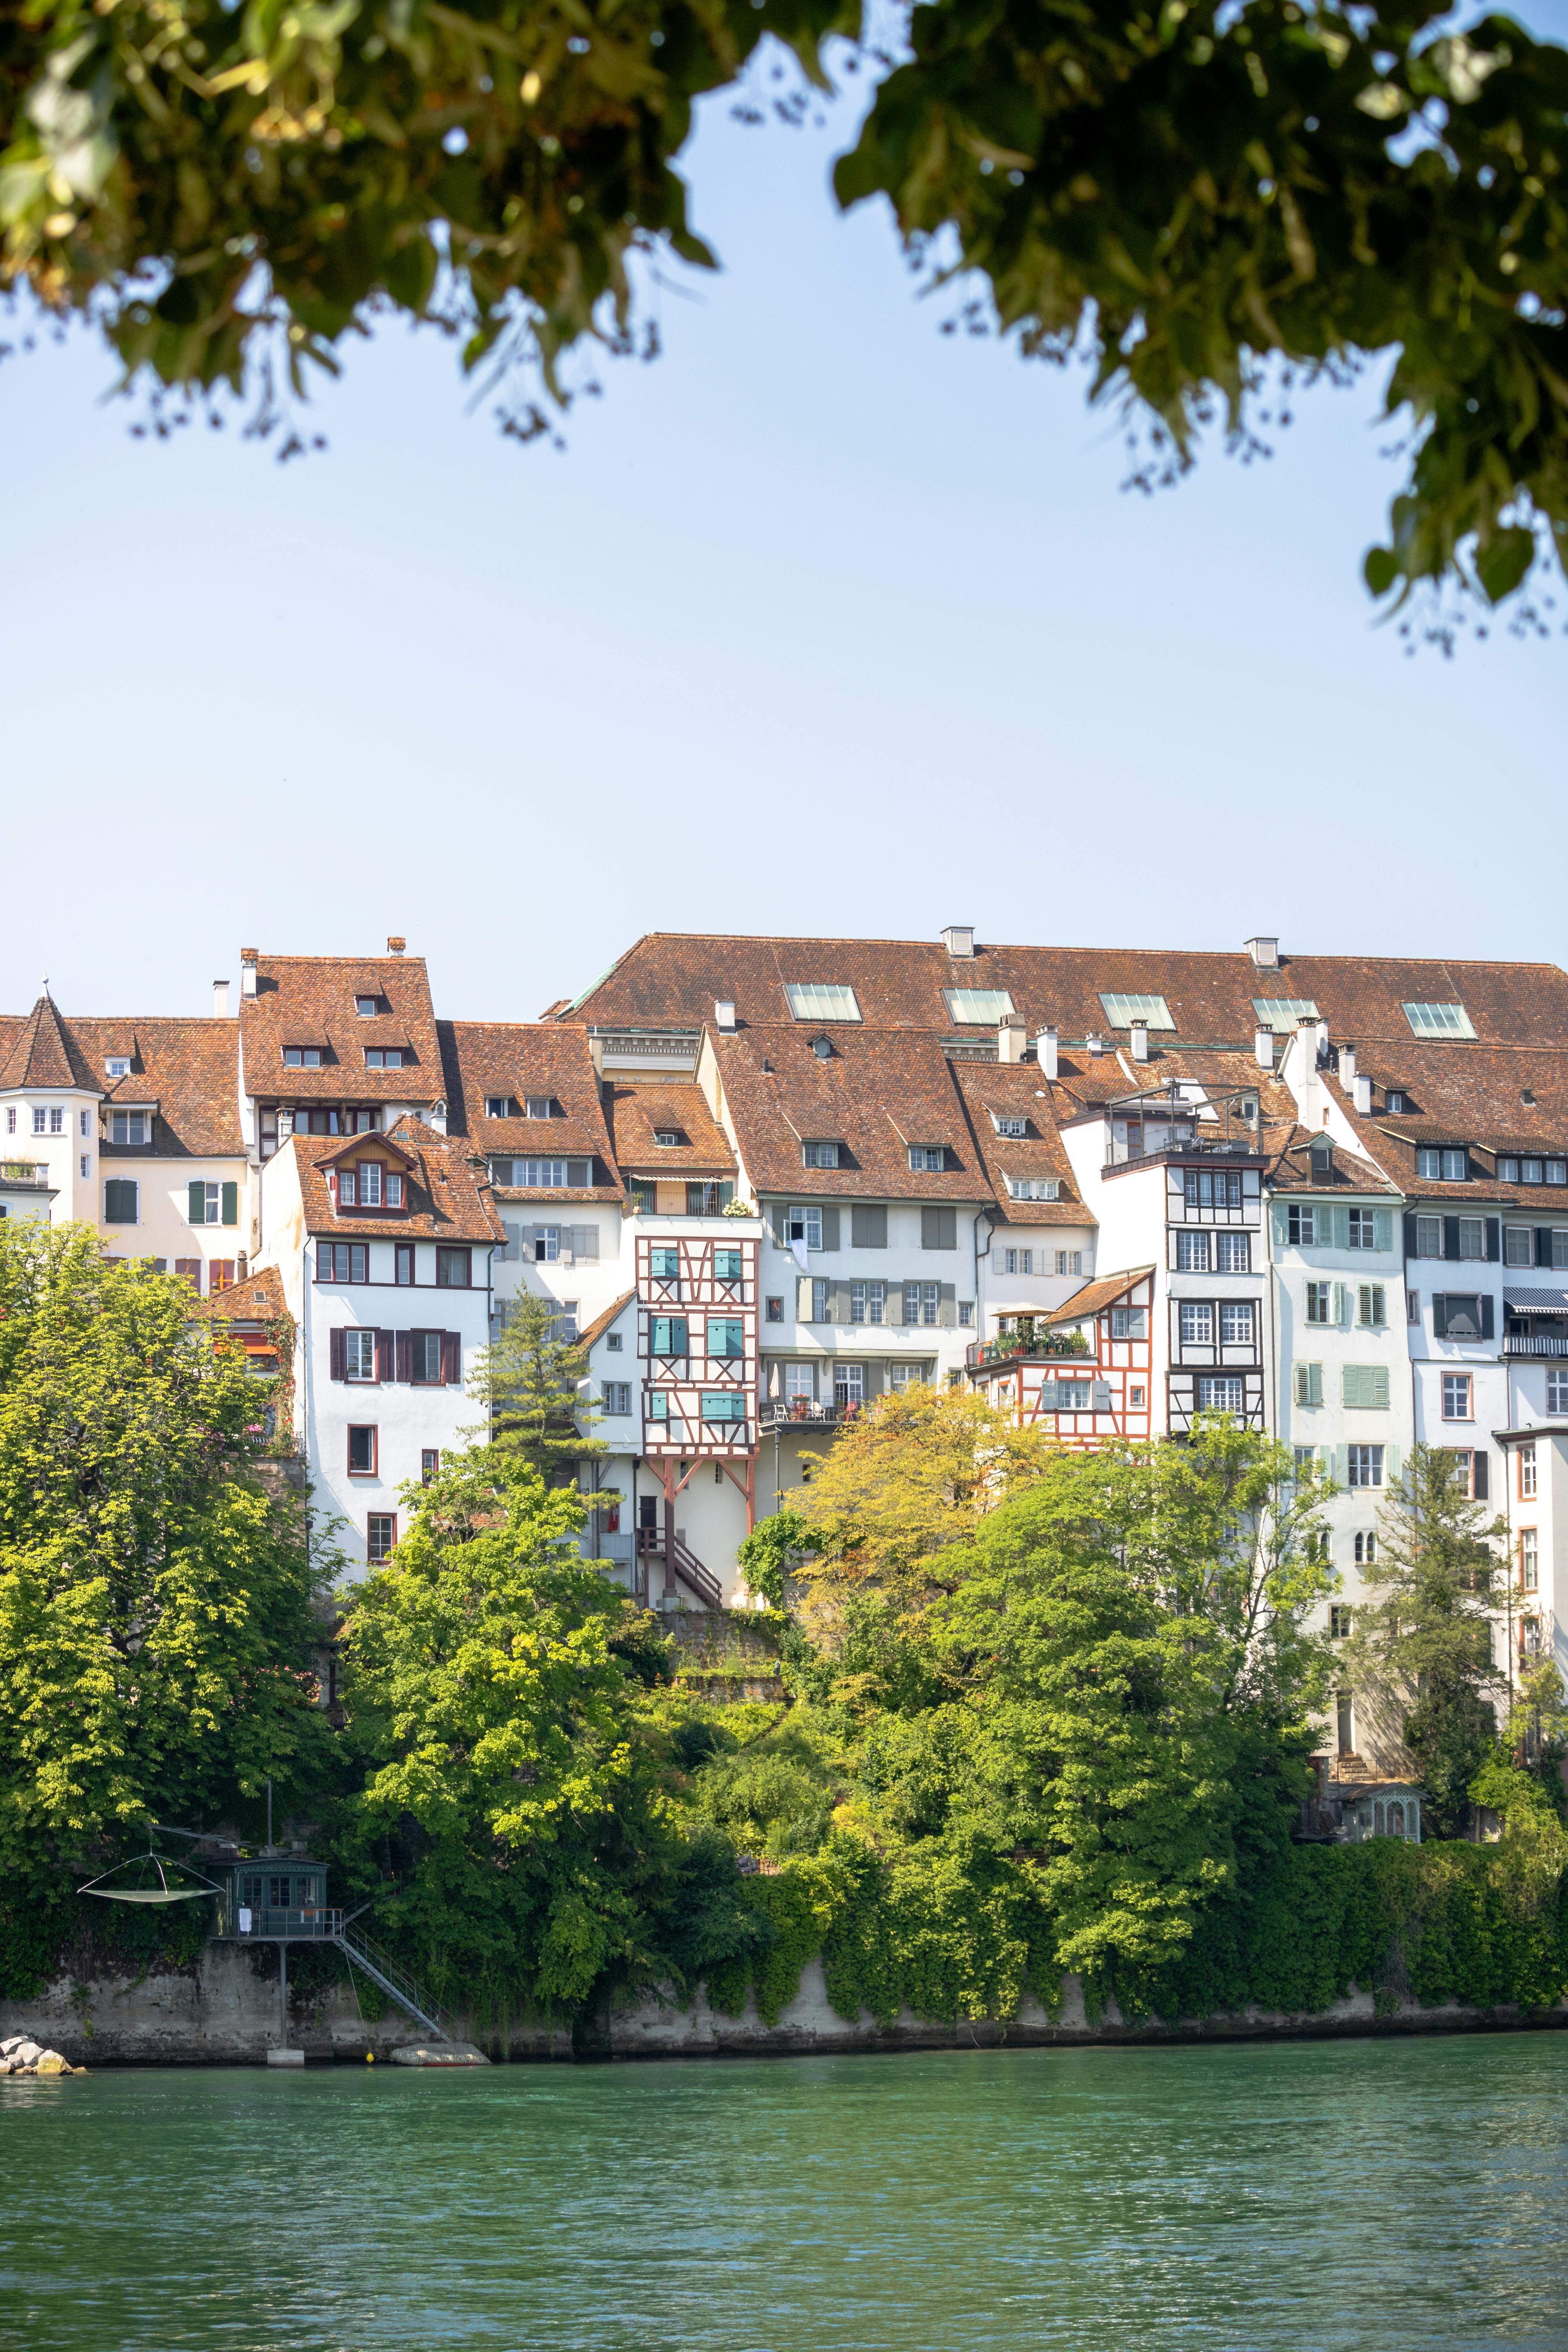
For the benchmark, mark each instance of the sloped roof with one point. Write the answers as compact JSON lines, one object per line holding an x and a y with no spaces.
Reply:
{"x":484,"y":1060}
{"x":257,"y":1300}
{"x":309,"y":1000}
{"x":448,"y":1201}
{"x":42,"y":1053}
{"x":603,"y":1320}
{"x":880,"y":1093}
{"x":641,"y":1109}
{"x":1015,"y":1089}
{"x":187,"y":1067}
{"x":1104,"y":1291}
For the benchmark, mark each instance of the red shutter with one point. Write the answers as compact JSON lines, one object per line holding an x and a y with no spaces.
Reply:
{"x":386,"y":1357}
{"x":452,"y":1358}
{"x":335,"y":1345}
{"x":405,"y":1355}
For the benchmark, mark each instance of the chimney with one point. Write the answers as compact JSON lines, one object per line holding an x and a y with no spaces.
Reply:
{"x":1139,"y":1041}
{"x":1010,"y":1038}
{"x":1347,"y":1066}
{"x":1096,"y":1044}
{"x":1362,"y":1094}
{"x":1263,"y":1048}
{"x":1045,"y":1052}
{"x":957,"y":939}
{"x":1265,"y":953}
{"x":397,"y":945}
{"x":247,"y":957}
{"x":437,"y":1111}
{"x":1322,"y":1040}
{"x":220,"y":1000}
{"x":724,"y":1015}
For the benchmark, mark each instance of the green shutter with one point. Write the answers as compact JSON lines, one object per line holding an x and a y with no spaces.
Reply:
{"x":1342,"y":1302}
{"x":1341,"y":1465}
{"x":1341,"y":1225}
{"x":1392,"y":1466}
{"x":1382,"y":1228}
{"x":231,"y":1204}
{"x":196,"y":1202}
{"x":1281,"y":1224}
{"x":1379,"y":1387}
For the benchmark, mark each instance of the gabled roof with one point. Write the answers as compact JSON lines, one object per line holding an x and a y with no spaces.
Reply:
{"x":1103,"y":1292}
{"x":309,"y":1000}
{"x":448,"y":1201}
{"x":641,"y":1109}
{"x":601,"y":1321}
{"x":1017,"y":1090}
{"x":257,"y":1300}
{"x":486,"y":1060}
{"x":185,"y":1065}
{"x":880,"y":1092}
{"x":43,"y":1053}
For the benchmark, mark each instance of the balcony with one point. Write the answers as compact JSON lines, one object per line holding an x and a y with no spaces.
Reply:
{"x":322,"y":1925}
{"x":34,"y":1172}
{"x":805,"y":1412}
{"x":1027,"y":1343}
{"x":1535,"y":1343}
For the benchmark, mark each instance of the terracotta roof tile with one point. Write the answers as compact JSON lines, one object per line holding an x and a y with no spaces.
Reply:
{"x":42,"y":1053}
{"x":603,"y":1320}
{"x":259,"y":1299}
{"x":1104,"y":1291}
{"x":643,"y":1109}
{"x":309,"y":1000}
{"x":484,"y":1061}
{"x":880,"y":1092}
{"x":449,"y":1200}
{"x":187,"y":1067}
{"x":1017,"y":1090}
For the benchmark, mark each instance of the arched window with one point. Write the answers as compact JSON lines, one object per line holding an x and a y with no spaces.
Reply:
{"x":1397,"y":1820}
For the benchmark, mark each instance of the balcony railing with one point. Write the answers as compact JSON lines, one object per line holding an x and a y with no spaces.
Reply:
{"x":1049,"y":1346}
{"x":23,"y":1172}
{"x":1535,"y":1343}
{"x":805,"y":1412}
{"x":320,"y":1926}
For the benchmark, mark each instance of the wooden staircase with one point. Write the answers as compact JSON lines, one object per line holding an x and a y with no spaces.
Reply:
{"x":687,"y":1567}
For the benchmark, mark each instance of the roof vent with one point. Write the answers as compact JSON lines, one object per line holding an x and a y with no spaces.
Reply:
{"x":1096,"y":1044}
{"x":823,"y":1048}
{"x":724,"y":1015}
{"x":1265,"y":953}
{"x":1526,"y":1094}
{"x":957,"y":939}
{"x":397,"y":945}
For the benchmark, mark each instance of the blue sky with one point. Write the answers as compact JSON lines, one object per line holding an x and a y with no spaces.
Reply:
{"x":822,"y":623}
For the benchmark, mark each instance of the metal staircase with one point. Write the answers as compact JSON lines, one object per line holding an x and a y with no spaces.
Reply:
{"x":686,"y":1564}
{"x":395,"y":1982}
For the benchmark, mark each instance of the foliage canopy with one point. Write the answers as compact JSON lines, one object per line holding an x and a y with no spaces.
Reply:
{"x":1185,"y":189}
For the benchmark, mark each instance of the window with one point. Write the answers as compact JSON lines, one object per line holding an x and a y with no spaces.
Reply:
{"x":1069,"y":1261}
{"x":1395,"y":1101}
{"x":1527,"y":1473}
{"x":1428,"y":1236}
{"x":1122,"y":1012}
{"x":729,"y":1264}
{"x":773,"y":1310}
{"x":370,"y":1183}
{"x":1233,"y":1253}
{"x":359,"y":1355}
{"x":1529,"y":1560}
{"x":1235,"y":1323}
{"x":220,"y":1274}
{"x":499,"y":1106}
{"x":928,"y":1159}
{"x":1461,"y":1315}
{"x":380,"y":1537}
{"x":40,"y":1121}
{"x":802,"y":1224}
{"x":383,"y":1057}
{"x":1017,"y":1261}
{"x":1283,"y":1012}
{"x":819,"y":1306}
{"x":1438,"y":1021}
{"x":453,"y":1269}
{"x":978,"y":1004}
{"x":668,"y":1334}
{"x":128,"y":1127}
{"x":1557,"y":1171}
{"x":1129,"y":1322}
{"x":57,"y":1121}
{"x":86,"y":1165}
{"x":563,"y":1322}
{"x":1339,"y":1619}
{"x":1472,"y":1236}
{"x":1035,"y":1188}
{"x":1448,"y":1166}
{"x":553,"y":1176}
{"x":189,"y":1269}
{"x":1366,"y":1549}
{"x":404,"y":1263}
{"x":1456,"y":1396}
{"x":546,"y":1245}
{"x":1302,"y":1225}
{"x":821,"y":1000}
{"x":1319,"y":1302}
{"x":1191,"y":1253}
{"x":820,"y":1155}
{"x":367,"y":1007}
{"x":1017,"y":1127}
{"x":850,"y":1387}
{"x":726,"y":1336}
{"x":723,"y":1404}
{"x":1517,"y":1246}
{"x":857,"y":1302}
{"x":362,"y":1451}
{"x":1557,"y":1389}
{"x":426,"y":1366}
{"x":921,"y":1302}
{"x":347,"y":1189}
{"x":117,"y":1065}
{"x":10,"y":1119}
{"x":120,"y":1200}
{"x":342,"y":1261}
{"x":616,"y":1396}
{"x":1364,"y":1388}
{"x":1362,"y":1229}
{"x":1309,"y":1384}
{"x":1212,"y":1188}
{"x":1196,"y":1325}
{"x":429,"y":1464}
{"x":1221,"y":1395}
{"x":966,"y":1313}
{"x":668,"y":1136}
{"x":1363,"y":1465}
{"x":1371,"y":1306}
{"x":302,"y":1057}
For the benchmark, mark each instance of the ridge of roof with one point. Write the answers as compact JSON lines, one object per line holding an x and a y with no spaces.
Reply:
{"x":47,"y":1054}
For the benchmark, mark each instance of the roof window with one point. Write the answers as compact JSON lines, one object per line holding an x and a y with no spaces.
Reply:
{"x":819,"y":1155}
{"x":821,"y":1000}
{"x":383,"y":1057}
{"x":367,"y":1007}
{"x":1439,"y":1021}
{"x":117,"y":1065}
{"x":1035,"y":1188}
{"x":928,"y":1159}
{"x":302,"y":1057}
{"x":1451,"y":1165}
{"x":539,"y":1107}
{"x":500,"y":1106}
{"x":982,"y":1005}
{"x":1282,"y":1013}
{"x":1013,"y":1123}
{"x":1122,"y":1011}
{"x":1395,"y":1101}
{"x":666,"y":1135}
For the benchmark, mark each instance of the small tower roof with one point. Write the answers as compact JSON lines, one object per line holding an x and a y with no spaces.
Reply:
{"x":47,"y":1054}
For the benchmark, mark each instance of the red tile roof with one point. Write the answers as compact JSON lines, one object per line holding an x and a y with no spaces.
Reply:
{"x":309,"y":1000}
{"x":187,"y":1067}
{"x":642,"y":1108}
{"x":41,"y":1051}
{"x":484,"y":1060}
{"x":1016,"y":1089}
{"x":449,"y":1199}
{"x":878,"y":1094}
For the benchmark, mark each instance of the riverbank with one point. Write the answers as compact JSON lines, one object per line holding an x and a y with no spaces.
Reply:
{"x":218,"y":2011}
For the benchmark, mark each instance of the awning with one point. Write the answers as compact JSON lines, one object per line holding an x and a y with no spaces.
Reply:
{"x":1538,"y":1301}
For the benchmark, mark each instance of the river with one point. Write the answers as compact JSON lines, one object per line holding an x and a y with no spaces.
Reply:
{"x":1303,"y":2196}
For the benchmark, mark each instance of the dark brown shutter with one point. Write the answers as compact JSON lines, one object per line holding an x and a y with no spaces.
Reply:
{"x":452,"y":1358}
{"x":1439,"y":1315}
{"x":1450,"y":1237}
{"x":405,"y":1355}
{"x":335,"y":1355}
{"x":384,"y":1356}
{"x":1481,"y":1488}
{"x":1409,"y":1233}
{"x":1542,"y":1244}
{"x":1488,"y":1321}
{"x":1494,"y":1239}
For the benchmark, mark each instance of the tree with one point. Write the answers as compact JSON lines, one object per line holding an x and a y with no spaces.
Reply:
{"x":1181,"y":191}
{"x":157,"y":1607}
{"x":767,"y":1553}
{"x":1424,"y":1648}
{"x":531,"y":1378}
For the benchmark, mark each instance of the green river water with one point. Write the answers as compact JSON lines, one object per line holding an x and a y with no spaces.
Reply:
{"x":1306,"y":2196}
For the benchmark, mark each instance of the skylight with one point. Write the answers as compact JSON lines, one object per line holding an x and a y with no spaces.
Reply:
{"x":821,"y":1000}
{"x":1439,"y":1021}
{"x":979,"y":1004}
{"x":1122,"y":1012}
{"x":1283,"y":1012}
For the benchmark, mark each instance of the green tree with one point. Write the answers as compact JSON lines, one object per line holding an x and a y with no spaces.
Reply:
{"x":767,"y":1553}
{"x":157,"y":1607}
{"x":532,"y":1378}
{"x":1424,"y":1649}
{"x":1183,"y":191}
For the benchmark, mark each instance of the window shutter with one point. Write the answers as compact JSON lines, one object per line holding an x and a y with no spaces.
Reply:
{"x":1341,"y":1465}
{"x":1379,"y":1381}
{"x":1439,"y":1315}
{"x":1281,"y":1224}
{"x":1382,"y":1228}
{"x":452,"y":1358}
{"x":1409,"y":1232}
{"x":1102,"y":1396}
{"x":1341,"y":1225}
{"x":802,"y":1298}
{"x":830,"y":1226}
{"x":947,"y":1306}
{"x":780,"y":1216}
{"x":1304,"y":1383}
{"x":403,"y":1354}
{"x":928,"y":1229}
{"x":385,"y":1355}
{"x":869,"y":1228}
{"x":1480,"y":1469}
{"x":231,"y":1204}
{"x":1488,"y":1324}
{"x":1494,"y":1239}
{"x":893,"y":1311}
{"x":335,"y":1355}
{"x":586,"y":1241}
{"x":197,"y":1202}
{"x":1342,"y":1302}
{"x":1543,"y":1246}
{"x":1391,"y":1466}
{"x":1450,"y":1237}
{"x":1350,"y":1385}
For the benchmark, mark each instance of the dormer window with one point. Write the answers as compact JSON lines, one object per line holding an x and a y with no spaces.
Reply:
{"x":128,"y":1127}
{"x":927,"y":1159}
{"x":367,"y":1007}
{"x":1011,"y":1124}
{"x":820,"y":1155}
{"x":666,"y":1135}
{"x":537,"y":1107}
{"x":383,"y":1057}
{"x":1448,"y":1166}
{"x":369,"y":1184}
{"x":117,"y":1065}
{"x":1395,"y":1101}
{"x":302,"y":1057}
{"x":1035,"y":1188}
{"x":500,"y":1106}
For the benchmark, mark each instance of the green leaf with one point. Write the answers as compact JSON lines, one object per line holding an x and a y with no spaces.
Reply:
{"x":1503,"y":563}
{"x":1381,"y":569}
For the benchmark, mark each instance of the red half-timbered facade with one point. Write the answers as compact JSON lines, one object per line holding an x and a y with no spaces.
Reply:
{"x":1084,"y":1399}
{"x":697,"y":1339}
